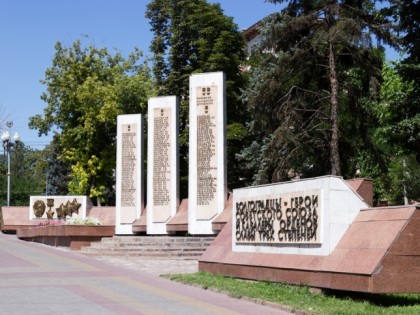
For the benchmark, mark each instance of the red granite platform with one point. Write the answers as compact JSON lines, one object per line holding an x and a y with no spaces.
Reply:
{"x":140,"y":225}
{"x":220,"y":221}
{"x":179,"y":223}
{"x":364,"y":187}
{"x":379,"y":253}
{"x":73,"y":236}
{"x":15,"y":218}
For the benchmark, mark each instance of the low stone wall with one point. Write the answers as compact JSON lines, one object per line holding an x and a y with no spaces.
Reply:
{"x":17,"y":218}
{"x":73,"y":236}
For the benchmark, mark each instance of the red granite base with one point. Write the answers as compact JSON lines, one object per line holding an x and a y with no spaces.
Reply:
{"x":140,"y":225}
{"x":379,"y":253}
{"x":73,"y":236}
{"x":15,"y":218}
{"x":179,"y":223}
{"x":220,"y":221}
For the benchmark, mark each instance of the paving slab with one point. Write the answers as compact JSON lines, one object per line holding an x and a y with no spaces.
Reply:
{"x":153,"y":266}
{"x":39,"y":279}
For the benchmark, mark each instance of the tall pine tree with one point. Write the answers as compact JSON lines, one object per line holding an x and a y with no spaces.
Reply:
{"x":318,"y":65}
{"x":407,"y":114}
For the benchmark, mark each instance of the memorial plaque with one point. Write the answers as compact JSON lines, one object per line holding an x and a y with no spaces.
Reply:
{"x":58,"y":207}
{"x":305,"y":217}
{"x":162,"y":170}
{"x":129,"y":172}
{"x":206,"y":150}
{"x":207,"y":189}
{"x":161,"y":163}
{"x":287,"y":218}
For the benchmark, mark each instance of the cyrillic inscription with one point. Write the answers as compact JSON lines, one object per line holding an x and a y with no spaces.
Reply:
{"x":286,"y":219}
{"x":206,"y":146}
{"x":128,"y":167}
{"x":161,"y":157}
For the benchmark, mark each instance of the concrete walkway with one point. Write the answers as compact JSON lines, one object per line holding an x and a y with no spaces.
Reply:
{"x":38,"y":279}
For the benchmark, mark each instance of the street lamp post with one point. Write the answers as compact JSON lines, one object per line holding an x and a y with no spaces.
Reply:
{"x":7,"y":145}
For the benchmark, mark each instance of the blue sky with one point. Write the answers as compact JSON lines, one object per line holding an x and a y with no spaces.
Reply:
{"x":30,"y":28}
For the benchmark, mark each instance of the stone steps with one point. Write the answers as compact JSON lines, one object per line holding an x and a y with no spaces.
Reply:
{"x":149,"y":246}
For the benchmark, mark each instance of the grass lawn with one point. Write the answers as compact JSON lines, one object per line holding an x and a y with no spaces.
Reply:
{"x":303,"y":298}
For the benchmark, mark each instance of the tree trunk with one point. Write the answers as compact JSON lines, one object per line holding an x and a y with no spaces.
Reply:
{"x":334,"y":154}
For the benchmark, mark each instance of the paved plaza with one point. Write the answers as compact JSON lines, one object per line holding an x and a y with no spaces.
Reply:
{"x":38,"y":279}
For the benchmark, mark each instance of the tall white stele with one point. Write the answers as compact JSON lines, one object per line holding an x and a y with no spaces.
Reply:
{"x":162,"y":163}
{"x":129,"y":173}
{"x":207,"y":190}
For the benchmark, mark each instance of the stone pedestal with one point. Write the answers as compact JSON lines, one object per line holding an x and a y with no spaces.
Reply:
{"x":207,"y":157}
{"x":162,"y":163}
{"x":352,"y":247}
{"x":129,"y":173}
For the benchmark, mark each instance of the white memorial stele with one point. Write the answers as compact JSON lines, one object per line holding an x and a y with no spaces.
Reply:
{"x":306,"y":217}
{"x":207,"y":190}
{"x":129,"y":172}
{"x":162,"y":163}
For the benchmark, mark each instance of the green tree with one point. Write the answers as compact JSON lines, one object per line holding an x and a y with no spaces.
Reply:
{"x":86,"y":88}
{"x":406,"y":113}
{"x":309,"y":96}
{"x":193,"y":36}
{"x":401,"y":178}
{"x":27,"y":169}
{"x":400,"y":109}
{"x":58,"y":169}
